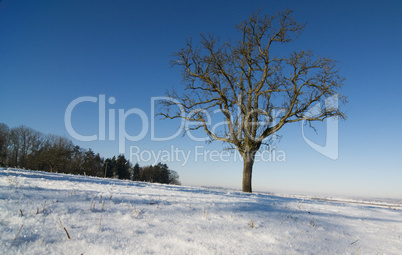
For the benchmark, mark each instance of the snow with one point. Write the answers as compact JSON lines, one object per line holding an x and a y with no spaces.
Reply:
{"x":144,"y":218}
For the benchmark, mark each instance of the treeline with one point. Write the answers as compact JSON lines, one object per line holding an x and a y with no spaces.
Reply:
{"x":24,"y":147}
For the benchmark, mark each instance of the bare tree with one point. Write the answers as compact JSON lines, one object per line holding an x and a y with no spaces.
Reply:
{"x":4,"y":141}
{"x":23,"y":142}
{"x":57,"y":152}
{"x":254,"y":84}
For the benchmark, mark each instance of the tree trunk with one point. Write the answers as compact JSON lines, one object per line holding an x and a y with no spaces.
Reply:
{"x":248,"y":163}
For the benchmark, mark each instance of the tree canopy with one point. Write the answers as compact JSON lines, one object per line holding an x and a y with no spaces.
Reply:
{"x":255,"y":84}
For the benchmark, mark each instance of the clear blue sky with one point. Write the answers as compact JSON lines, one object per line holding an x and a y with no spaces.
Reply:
{"x":53,"y":52}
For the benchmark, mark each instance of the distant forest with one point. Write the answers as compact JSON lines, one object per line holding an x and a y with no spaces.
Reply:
{"x":24,"y":147}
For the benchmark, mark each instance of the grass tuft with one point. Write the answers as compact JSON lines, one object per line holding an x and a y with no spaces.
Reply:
{"x":357,"y":250}
{"x":251,"y":224}
{"x":137,"y":213}
{"x":18,"y":232}
{"x":65,"y":230}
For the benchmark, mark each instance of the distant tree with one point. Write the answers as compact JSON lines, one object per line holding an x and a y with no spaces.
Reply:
{"x":109,"y":167}
{"x":255,"y":83}
{"x":23,"y":141}
{"x":4,"y":140}
{"x":25,"y":147}
{"x":77,"y":160}
{"x":123,"y":167}
{"x":174,"y":178}
{"x":146,"y":174}
{"x":57,"y":153}
{"x":93,"y":164}
{"x":136,"y":172}
{"x":159,"y":173}
{"x":163,"y":173}
{"x":14,"y":149}
{"x":99,"y":161}
{"x":89,"y":163}
{"x":35,"y":142}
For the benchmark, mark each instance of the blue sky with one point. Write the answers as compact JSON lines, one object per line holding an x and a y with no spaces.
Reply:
{"x":53,"y":52}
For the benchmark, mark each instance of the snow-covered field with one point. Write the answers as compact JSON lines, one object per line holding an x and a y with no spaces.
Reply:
{"x":104,"y":216}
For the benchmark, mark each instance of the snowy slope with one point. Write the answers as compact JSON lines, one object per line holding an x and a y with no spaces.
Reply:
{"x":141,"y":218}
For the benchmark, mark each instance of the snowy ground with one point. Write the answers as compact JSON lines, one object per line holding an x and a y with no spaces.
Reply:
{"x":141,"y":218}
